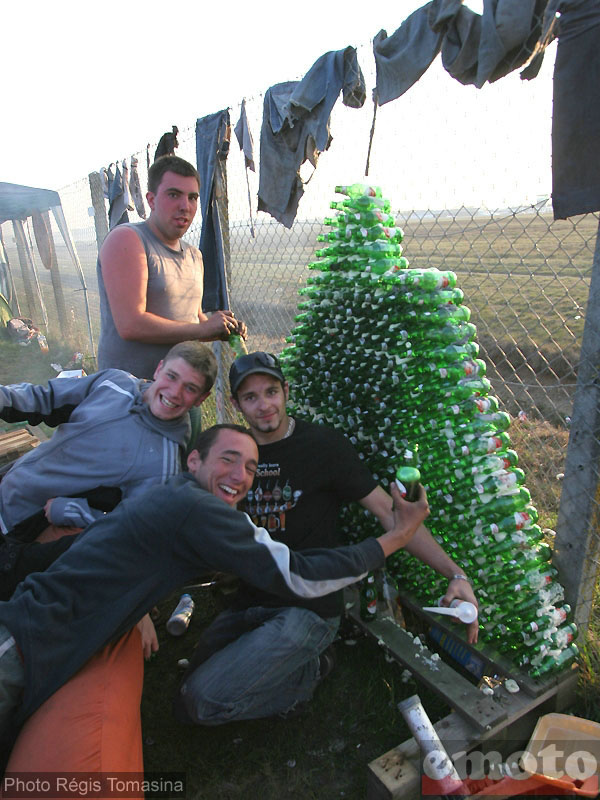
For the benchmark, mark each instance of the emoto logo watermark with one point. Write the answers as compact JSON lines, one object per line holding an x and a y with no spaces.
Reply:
{"x":565,"y":765}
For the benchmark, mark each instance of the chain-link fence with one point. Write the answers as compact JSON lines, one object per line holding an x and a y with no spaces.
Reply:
{"x":468,"y":173}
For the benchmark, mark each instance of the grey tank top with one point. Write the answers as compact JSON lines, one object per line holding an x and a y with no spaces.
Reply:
{"x":175,"y":286}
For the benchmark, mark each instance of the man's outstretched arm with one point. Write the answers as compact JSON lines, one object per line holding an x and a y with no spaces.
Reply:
{"x":424,"y":547}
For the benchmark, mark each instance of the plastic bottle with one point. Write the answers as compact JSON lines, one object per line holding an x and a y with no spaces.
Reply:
{"x":179,"y":620}
{"x":43,"y":342}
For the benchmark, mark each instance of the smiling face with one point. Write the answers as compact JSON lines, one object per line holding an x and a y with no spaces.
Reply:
{"x":261,"y":399}
{"x":177,"y":387}
{"x":174,"y":206}
{"x":229,"y":467}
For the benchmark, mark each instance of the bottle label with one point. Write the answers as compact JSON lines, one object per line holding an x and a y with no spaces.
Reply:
{"x":401,"y":487}
{"x":521,"y":519}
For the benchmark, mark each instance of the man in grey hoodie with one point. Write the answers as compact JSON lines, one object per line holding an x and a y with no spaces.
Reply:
{"x":114,"y":430}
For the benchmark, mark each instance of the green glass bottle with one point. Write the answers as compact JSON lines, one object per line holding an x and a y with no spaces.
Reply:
{"x":358,"y":190}
{"x":407,"y":480}
{"x":555,"y":616}
{"x":238,"y":345}
{"x":556,"y":663}
{"x":496,"y":421}
{"x":358,"y":233}
{"x":386,"y":267}
{"x":379,"y":249}
{"x":444,"y":314}
{"x":450,"y":333}
{"x":485,"y":464}
{"x":364,"y":218}
{"x":505,"y":481}
{"x":368,"y":598}
{"x":361,"y":203}
{"x":429,"y":279}
{"x":480,"y":445}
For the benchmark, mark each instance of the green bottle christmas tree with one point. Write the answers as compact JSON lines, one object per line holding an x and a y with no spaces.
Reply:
{"x":386,"y":353}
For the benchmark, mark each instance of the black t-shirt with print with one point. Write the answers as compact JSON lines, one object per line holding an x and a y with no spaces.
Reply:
{"x":301,"y":483}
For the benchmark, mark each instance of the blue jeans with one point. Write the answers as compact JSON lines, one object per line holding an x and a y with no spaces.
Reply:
{"x":12,"y":679}
{"x":254,"y":663}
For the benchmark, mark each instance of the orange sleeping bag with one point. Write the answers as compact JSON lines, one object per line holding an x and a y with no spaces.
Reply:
{"x":92,"y":724}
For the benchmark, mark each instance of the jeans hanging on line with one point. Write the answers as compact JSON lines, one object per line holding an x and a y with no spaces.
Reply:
{"x":210,"y":136}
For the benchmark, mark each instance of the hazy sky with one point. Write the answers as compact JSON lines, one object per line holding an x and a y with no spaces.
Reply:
{"x":86,"y":84}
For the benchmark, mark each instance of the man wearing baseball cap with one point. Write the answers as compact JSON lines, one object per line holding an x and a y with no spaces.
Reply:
{"x":264,"y":655}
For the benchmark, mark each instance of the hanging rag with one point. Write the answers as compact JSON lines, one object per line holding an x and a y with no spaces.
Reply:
{"x":117,"y":208}
{"x":295,"y":128}
{"x":576,"y":111}
{"x":246,"y":143}
{"x":42,"y":230}
{"x":104,"y":178}
{"x":475,"y":48}
{"x":212,"y":143}
{"x":126,"y":193}
{"x":167,"y":144}
{"x":136,"y":189}
{"x":244,"y":137}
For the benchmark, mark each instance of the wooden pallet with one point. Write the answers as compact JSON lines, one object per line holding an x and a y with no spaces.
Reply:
{"x":15,"y":443}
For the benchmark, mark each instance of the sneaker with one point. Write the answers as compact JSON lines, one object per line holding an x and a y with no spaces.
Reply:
{"x":327,"y":662}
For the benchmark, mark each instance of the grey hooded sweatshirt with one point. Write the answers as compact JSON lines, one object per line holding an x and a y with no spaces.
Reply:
{"x":110,"y":438}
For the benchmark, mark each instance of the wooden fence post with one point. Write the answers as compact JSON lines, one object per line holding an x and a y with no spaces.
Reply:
{"x":100,"y":219}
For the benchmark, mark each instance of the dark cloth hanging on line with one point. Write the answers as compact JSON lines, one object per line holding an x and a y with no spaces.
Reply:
{"x":135,"y":189}
{"x":576,"y":110}
{"x":246,"y":143}
{"x":295,"y":128}
{"x":117,"y":208}
{"x":475,"y":48}
{"x":167,"y":143}
{"x":244,"y":136}
{"x":212,"y":143}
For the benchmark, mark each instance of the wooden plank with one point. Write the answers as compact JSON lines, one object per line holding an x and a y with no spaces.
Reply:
{"x":481,"y":711}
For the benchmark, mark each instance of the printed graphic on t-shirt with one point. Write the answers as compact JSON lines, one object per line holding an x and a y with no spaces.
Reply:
{"x":271,"y":499}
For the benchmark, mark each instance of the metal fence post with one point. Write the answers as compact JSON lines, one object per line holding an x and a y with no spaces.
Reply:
{"x":577,"y":540}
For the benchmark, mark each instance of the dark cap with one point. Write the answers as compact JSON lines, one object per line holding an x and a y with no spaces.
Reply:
{"x":252,"y":364}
